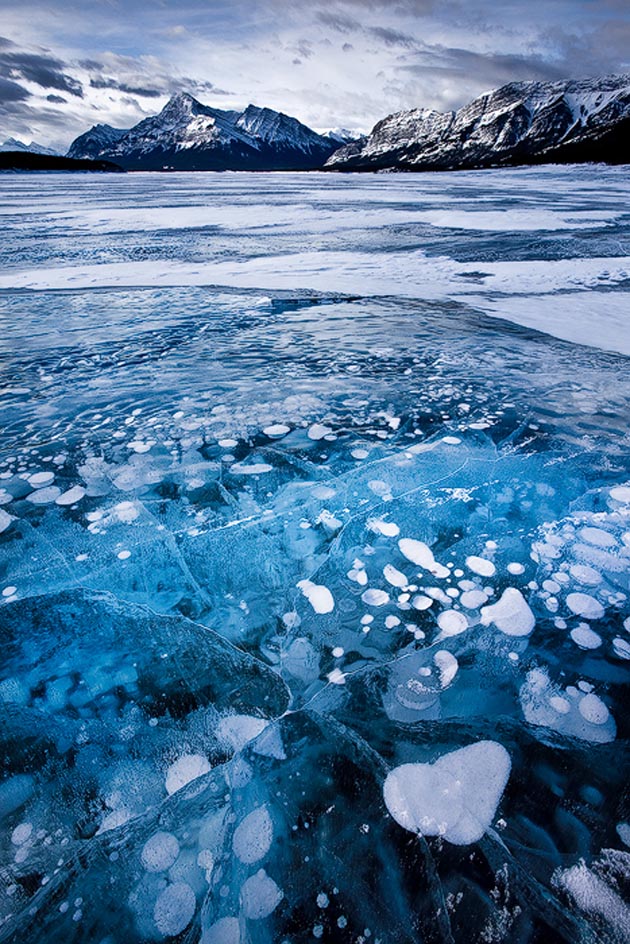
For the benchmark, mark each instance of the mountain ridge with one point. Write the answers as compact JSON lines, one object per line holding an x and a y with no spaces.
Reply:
{"x":518,"y":123}
{"x":187,"y":135}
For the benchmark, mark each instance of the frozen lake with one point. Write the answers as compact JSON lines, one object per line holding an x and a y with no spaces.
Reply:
{"x":315,"y":557}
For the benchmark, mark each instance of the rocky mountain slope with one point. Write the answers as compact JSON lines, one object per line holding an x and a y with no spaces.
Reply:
{"x":519,"y":123}
{"x":95,"y":142}
{"x":187,"y":135}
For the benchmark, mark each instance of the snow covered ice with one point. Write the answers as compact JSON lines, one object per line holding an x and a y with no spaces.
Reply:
{"x":315,"y":558}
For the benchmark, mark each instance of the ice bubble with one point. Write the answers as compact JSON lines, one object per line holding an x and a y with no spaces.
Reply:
{"x":253,"y":836}
{"x":597,"y":536}
{"x":452,"y":623}
{"x":481,"y":566}
{"x":593,"y":709}
{"x":320,"y":597}
{"x":386,"y":528}
{"x":256,"y":468}
{"x":21,"y":834}
{"x":455,"y":797}
{"x":159,"y":852}
{"x":73,"y":495}
{"x":515,"y":568}
{"x":585,"y":637}
{"x":186,"y":768}
{"x":583,"y":604}
{"x":174,"y":909}
{"x":374,"y":597}
{"x":5,"y":520}
{"x":421,"y":602}
{"x":584,"y":574}
{"x":44,"y":496}
{"x":621,"y":648}
{"x":40,"y":479}
{"x":391,"y":622}
{"x":318,"y":431}
{"x":393,"y":576}
{"x":421,"y":554}
{"x":621,"y":493}
{"x":336,"y":677}
{"x":276,"y":430}
{"x":260,"y":896}
{"x":447,"y":665}
{"x":223,"y":931}
{"x":473,"y":599}
{"x":123,"y":555}
{"x":511,"y":614}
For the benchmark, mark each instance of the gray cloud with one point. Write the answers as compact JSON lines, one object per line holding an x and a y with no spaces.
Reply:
{"x":392,"y":37}
{"x":42,"y":69}
{"x":104,"y":82}
{"x":12,"y":92}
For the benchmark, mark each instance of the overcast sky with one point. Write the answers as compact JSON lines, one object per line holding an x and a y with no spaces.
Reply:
{"x":67,"y":65}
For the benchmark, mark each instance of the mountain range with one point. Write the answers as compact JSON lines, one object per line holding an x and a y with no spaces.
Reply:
{"x":187,"y":135}
{"x":14,"y":146}
{"x":519,"y":123}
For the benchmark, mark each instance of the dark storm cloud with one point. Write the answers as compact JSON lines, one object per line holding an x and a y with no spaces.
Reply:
{"x":56,"y":99}
{"x":338,"y":21}
{"x":42,"y":69}
{"x":491,"y":68}
{"x":12,"y":92}
{"x":103,"y":82}
{"x":392,"y":37}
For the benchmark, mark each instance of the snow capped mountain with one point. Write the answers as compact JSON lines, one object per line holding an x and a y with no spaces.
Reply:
{"x":95,"y":141}
{"x":342,"y":135}
{"x":187,"y":135}
{"x":12,"y":144}
{"x":519,"y":123}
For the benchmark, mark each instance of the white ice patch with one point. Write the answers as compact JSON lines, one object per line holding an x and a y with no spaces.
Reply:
{"x":320,"y":597}
{"x":73,"y":495}
{"x":511,"y":614}
{"x":394,"y":576}
{"x":174,"y":909}
{"x":375,"y":597}
{"x":159,"y":852}
{"x":256,"y":468}
{"x":481,"y":566}
{"x":317,"y":431}
{"x":184,"y":769}
{"x":456,"y":797}
{"x":223,"y":931}
{"x":571,"y":711}
{"x":593,"y":896}
{"x":583,"y":604}
{"x":260,"y":896}
{"x":5,"y":520}
{"x":239,"y":730}
{"x":253,"y":836}
{"x":452,"y":622}
{"x":421,"y":554}
{"x":387,"y":528}
{"x":447,"y":665}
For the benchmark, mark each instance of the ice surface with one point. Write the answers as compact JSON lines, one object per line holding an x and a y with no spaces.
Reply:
{"x":315,"y":572}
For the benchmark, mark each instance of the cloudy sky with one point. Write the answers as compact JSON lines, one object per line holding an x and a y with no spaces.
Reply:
{"x":332,"y":63}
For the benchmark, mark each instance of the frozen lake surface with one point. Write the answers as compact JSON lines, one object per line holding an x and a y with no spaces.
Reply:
{"x":315,"y":558}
